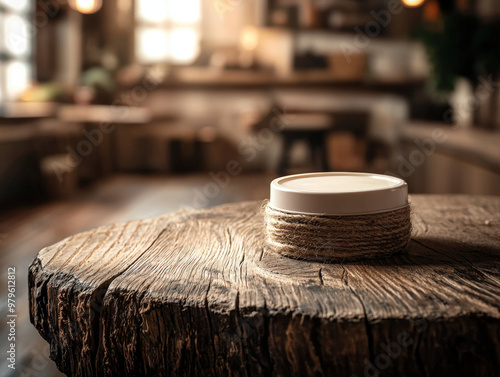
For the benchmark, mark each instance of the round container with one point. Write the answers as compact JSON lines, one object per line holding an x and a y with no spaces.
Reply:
{"x":338,"y":216}
{"x":339,"y":193}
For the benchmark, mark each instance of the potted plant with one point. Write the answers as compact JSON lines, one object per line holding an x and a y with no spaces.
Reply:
{"x":465,"y":58}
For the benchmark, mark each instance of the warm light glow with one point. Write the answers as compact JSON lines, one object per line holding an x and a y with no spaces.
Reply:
{"x":86,"y":6}
{"x":151,"y":10}
{"x":17,"y":5}
{"x":185,"y":11}
{"x":412,"y":3}
{"x":183,"y":45}
{"x":249,"y":39}
{"x":151,"y":45}
{"x":16,"y":35}
{"x":17,"y":78}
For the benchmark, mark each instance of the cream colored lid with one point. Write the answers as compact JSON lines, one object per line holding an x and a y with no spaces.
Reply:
{"x":339,"y":193}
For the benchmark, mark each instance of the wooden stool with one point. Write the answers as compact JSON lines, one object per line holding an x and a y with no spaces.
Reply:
{"x":201,"y":293}
{"x":311,"y":127}
{"x":185,"y":149}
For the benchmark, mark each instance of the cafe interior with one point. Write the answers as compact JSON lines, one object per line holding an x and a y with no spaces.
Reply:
{"x":119,"y":110}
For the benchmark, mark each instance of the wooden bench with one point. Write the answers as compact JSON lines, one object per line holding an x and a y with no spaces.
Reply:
{"x":201,"y":293}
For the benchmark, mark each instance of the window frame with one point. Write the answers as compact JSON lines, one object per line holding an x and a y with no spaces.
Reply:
{"x":168,"y":26}
{"x":7,"y":57}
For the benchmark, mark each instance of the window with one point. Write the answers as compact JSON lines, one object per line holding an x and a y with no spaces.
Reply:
{"x":16,"y":41}
{"x":167,"y":31}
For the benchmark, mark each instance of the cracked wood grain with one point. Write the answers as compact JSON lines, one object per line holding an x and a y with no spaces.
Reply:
{"x":201,"y":293}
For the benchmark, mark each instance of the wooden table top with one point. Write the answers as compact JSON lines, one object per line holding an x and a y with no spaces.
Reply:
{"x":201,"y":77}
{"x":201,"y":293}
{"x":28,"y":110}
{"x":103,"y":113}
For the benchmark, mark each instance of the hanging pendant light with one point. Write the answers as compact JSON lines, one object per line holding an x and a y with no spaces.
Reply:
{"x":86,"y":6}
{"x":412,"y":3}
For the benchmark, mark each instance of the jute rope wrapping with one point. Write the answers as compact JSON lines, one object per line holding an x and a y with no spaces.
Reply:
{"x":337,"y":238}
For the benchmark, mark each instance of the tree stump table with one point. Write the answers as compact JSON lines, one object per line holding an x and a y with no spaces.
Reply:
{"x":201,"y":293}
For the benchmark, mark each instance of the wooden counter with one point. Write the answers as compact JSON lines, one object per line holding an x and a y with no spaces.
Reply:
{"x":473,"y":145}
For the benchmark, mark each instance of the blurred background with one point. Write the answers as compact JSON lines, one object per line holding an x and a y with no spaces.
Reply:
{"x":120,"y":109}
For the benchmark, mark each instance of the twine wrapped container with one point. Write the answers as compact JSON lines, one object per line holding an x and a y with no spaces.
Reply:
{"x":331,"y":217}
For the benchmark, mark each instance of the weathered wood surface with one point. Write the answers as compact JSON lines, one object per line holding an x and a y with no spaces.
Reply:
{"x":201,"y":293}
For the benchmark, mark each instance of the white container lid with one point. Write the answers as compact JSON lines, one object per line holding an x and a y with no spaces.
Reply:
{"x":338,"y":193}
